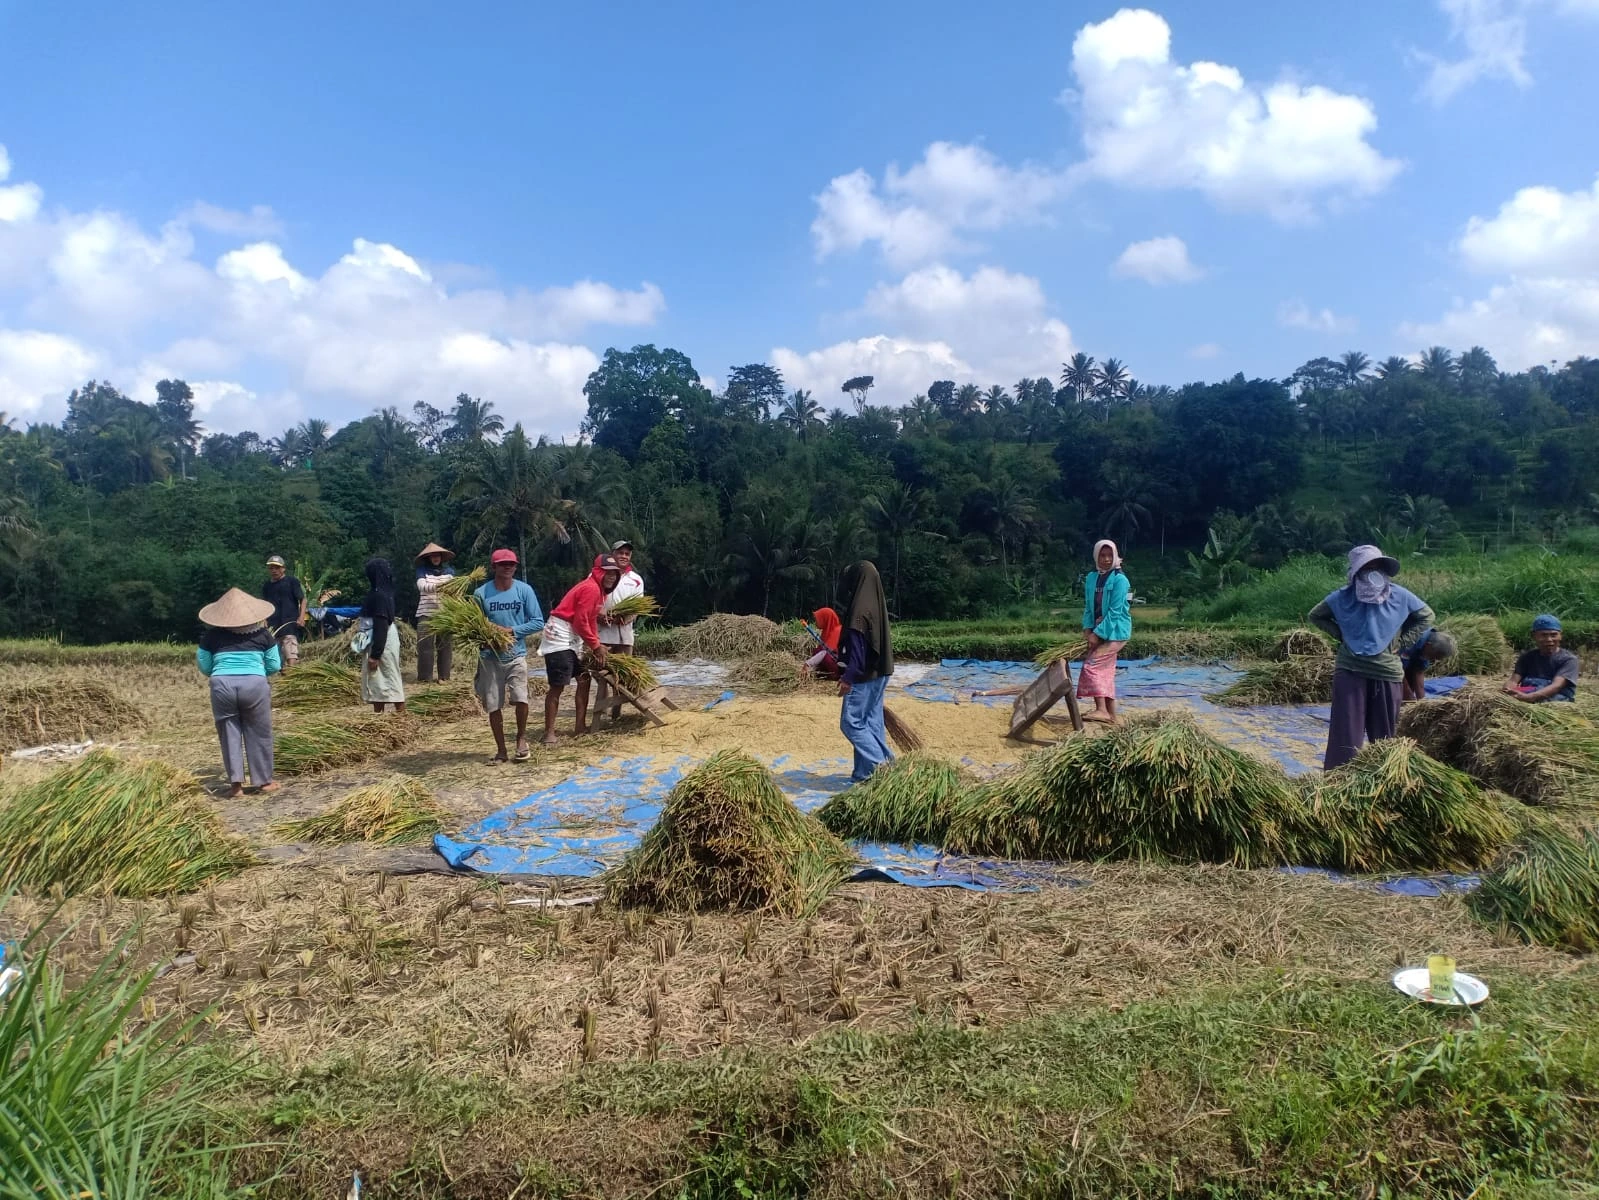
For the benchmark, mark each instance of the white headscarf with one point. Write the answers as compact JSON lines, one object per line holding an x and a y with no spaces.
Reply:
{"x":1115,"y":555}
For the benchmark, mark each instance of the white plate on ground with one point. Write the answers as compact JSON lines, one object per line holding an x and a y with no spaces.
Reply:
{"x":1469,"y":990}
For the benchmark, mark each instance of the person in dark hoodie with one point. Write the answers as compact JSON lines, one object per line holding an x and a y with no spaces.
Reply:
{"x":868,"y":660}
{"x":380,"y":669}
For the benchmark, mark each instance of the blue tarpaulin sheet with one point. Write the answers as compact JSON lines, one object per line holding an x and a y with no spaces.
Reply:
{"x":586,"y":823}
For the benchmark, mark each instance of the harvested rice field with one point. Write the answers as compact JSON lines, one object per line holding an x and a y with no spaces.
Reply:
{"x":1148,"y":1026}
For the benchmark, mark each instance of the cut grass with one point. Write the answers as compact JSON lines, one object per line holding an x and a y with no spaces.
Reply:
{"x":909,"y":800}
{"x":391,"y":812}
{"x":109,"y":825}
{"x":38,"y":713}
{"x":321,"y":744}
{"x":728,"y":838}
{"x":1156,"y":788}
{"x":1302,"y":679}
{"x":465,"y":621}
{"x":318,"y":684}
{"x":1545,"y":888}
{"x":1394,"y":808}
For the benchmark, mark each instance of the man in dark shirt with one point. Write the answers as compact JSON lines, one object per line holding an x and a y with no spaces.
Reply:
{"x":1547,"y":672}
{"x":287,"y":597}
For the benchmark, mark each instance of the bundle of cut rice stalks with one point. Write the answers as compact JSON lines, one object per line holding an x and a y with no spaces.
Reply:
{"x":1480,"y":647}
{"x":461,"y":587}
{"x":391,"y":812}
{"x":632,"y":672}
{"x":1065,"y":652}
{"x":467,"y":623}
{"x":724,"y":637}
{"x":909,"y":800}
{"x":339,"y":649}
{"x":767,"y":674}
{"x":1394,"y":808}
{"x":320,"y":683}
{"x":727,"y":838}
{"x":443,"y":702}
{"x":1156,"y":788}
{"x":1545,"y":887}
{"x":635,"y":608}
{"x":1303,"y":679}
{"x":1543,"y":754}
{"x":131,"y":827}
{"x":1301,"y":642}
{"x":321,"y":743}
{"x":36,"y":713}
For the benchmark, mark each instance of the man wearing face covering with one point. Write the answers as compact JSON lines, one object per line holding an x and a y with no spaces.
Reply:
{"x":868,"y":661}
{"x":1374,"y":621}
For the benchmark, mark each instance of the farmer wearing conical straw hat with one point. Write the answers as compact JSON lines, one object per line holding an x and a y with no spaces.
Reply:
{"x":433,"y":571}
{"x":237,"y":653}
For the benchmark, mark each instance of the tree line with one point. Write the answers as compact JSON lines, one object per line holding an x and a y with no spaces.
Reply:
{"x":121,"y":520}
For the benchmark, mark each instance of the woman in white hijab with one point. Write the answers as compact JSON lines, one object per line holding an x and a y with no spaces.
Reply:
{"x":1107,"y":624}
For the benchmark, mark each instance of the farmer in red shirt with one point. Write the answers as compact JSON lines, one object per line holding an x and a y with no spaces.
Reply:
{"x":573,"y":624}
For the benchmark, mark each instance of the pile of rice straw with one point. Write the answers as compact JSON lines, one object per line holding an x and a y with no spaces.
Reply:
{"x":768,"y":674}
{"x":1481,"y":648}
{"x":321,"y":743}
{"x":1543,"y":754}
{"x":391,"y":812}
{"x":728,"y":838}
{"x":1301,"y":642}
{"x":1156,"y":788}
{"x":909,"y":800}
{"x":445,"y":702}
{"x":1302,"y":679}
{"x":725,"y":637}
{"x":106,"y":825}
{"x":1545,"y":887}
{"x":1394,"y":808}
{"x":319,"y":683}
{"x":38,"y":713}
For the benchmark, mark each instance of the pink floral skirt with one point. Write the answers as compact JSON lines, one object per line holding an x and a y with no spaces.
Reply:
{"x":1098,"y":675}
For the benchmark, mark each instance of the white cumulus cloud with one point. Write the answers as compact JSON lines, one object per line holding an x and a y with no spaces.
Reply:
{"x":1539,"y":229}
{"x":921,"y":213}
{"x":1151,"y":122}
{"x":1488,"y":40}
{"x":1296,"y":314}
{"x":1157,"y":261}
{"x":35,"y":365}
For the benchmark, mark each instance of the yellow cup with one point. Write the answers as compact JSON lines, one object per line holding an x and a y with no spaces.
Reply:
{"x":1441,"y":976}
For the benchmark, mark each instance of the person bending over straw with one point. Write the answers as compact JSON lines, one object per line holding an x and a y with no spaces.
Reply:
{"x":380,"y":669}
{"x":433,"y":571}
{"x":1434,"y":645}
{"x":237,"y":654}
{"x":1545,"y":672}
{"x":573,"y":624}
{"x":1374,"y":620}
{"x":502,"y":674}
{"x":868,"y":649}
{"x":1107,"y":625}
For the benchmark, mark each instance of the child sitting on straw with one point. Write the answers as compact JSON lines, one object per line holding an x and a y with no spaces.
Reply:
{"x":1546,"y":672}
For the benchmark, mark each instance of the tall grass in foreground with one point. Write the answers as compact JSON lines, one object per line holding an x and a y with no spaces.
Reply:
{"x":93,"y":1103}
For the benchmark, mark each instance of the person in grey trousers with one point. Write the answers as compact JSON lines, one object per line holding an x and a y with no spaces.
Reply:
{"x":237,"y":654}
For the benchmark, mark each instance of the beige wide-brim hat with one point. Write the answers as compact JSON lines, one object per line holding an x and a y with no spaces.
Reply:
{"x":236,"y":610}
{"x":434,"y":548}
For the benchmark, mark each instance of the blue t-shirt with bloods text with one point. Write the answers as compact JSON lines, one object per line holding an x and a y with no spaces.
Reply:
{"x":517,"y":609}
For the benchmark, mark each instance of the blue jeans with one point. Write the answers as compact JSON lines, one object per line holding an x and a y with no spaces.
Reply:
{"x":861,"y":721}
{"x":1567,"y":693}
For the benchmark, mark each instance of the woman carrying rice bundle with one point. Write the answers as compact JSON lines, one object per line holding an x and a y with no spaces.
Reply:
{"x":433,"y":571}
{"x":380,"y":668}
{"x":868,"y":661}
{"x":237,"y":654}
{"x":1374,"y":620}
{"x":1107,"y":624}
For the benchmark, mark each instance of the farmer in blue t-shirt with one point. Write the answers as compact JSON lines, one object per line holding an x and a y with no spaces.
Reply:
{"x":502,"y":676}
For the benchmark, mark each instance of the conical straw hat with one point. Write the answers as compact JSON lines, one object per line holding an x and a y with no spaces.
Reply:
{"x":434,"y":548}
{"x":236,"y":610}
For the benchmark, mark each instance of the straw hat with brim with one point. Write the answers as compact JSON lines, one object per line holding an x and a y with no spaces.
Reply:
{"x":236,"y":610}
{"x":434,"y":548}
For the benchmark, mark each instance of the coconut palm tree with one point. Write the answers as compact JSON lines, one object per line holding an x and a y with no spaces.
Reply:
{"x":1438,"y":365}
{"x":313,"y":435}
{"x":1354,"y":365}
{"x":1038,"y":417}
{"x":507,"y":489}
{"x":968,"y":400}
{"x":922,"y":415}
{"x":1078,"y":376}
{"x":1127,"y":511}
{"x":800,"y":413}
{"x":143,"y":441}
{"x":996,"y":398}
{"x":1392,"y":368}
{"x":1110,"y":381}
{"x":897,"y":512}
{"x":473,"y":420}
{"x":768,"y":547}
{"x":1011,"y":516}
{"x":1477,"y":369}
{"x":17,"y":530}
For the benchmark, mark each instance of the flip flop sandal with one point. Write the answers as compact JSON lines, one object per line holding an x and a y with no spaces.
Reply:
{"x":520,"y":756}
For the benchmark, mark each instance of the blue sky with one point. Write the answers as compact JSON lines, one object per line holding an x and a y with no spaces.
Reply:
{"x":353,"y":205}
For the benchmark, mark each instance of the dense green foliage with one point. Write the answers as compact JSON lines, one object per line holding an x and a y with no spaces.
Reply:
{"x":122,"y":521}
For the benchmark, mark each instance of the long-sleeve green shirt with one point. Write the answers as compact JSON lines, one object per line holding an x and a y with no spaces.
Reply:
{"x":1385,"y":666}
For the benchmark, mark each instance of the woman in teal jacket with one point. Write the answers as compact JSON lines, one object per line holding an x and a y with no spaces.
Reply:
{"x":237,"y":654}
{"x":1107,"y":624}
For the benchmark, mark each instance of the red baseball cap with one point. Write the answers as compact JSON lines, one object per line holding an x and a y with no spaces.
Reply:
{"x":500,"y":556}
